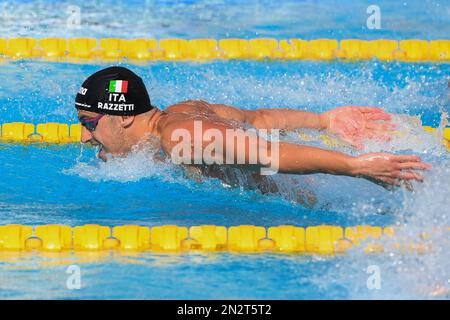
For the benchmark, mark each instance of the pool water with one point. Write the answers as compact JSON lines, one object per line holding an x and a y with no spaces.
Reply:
{"x":66,"y":184}
{"x":307,"y":19}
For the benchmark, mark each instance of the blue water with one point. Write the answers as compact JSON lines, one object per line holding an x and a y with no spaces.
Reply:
{"x":308,"y":19}
{"x":67,"y":184}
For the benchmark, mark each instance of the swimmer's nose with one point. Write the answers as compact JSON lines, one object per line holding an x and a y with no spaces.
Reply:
{"x":86,"y":135}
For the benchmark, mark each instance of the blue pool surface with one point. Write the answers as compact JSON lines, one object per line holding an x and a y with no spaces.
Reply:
{"x":308,"y":19}
{"x":66,"y":184}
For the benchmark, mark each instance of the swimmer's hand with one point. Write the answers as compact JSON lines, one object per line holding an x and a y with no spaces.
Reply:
{"x":389,"y":170}
{"x":355,"y":124}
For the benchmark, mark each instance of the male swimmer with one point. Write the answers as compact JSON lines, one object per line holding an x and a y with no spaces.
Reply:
{"x":116,"y":114}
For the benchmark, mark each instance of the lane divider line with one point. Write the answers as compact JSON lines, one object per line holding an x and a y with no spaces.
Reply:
{"x":60,"y":133}
{"x":144,"y":49}
{"x":322,"y":239}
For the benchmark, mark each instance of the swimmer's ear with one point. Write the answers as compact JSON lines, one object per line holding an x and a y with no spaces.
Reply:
{"x":126,"y":121}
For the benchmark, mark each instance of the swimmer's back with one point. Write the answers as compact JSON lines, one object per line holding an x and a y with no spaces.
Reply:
{"x":202,"y":110}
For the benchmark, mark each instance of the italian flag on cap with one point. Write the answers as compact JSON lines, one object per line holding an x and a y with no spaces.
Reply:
{"x":118,"y":86}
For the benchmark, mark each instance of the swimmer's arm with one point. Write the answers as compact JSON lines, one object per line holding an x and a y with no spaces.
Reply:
{"x":291,"y":158}
{"x":182,"y":136}
{"x":300,"y":159}
{"x":352,"y":124}
{"x":381,"y":168}
{"x":286,"y":119}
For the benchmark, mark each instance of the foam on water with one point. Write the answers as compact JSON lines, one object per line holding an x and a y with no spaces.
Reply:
{"x":135,"y":166}
{"x":407,"y":274}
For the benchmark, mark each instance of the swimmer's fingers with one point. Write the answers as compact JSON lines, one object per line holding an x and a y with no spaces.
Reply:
{"x":377,"y":116}
{"x":408,"y":175}
{"x":407,"y":184}
{"x":390,"y":181}
{"x":381,"y":127}
{"x":405,"y":158}
{"x":391,"y":184}
{"x":379,"y":131}
{"x":385,"y":182}
{"x":405,"y":162}
{"x":374,"y":113}
{"x":371,"y":110}
{"x":413,"y":166}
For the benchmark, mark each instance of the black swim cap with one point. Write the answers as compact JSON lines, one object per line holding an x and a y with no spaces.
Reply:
{"x":116,"y":91}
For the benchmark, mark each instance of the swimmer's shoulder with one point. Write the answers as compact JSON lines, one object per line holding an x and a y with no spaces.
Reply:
{"x":183,"y":113}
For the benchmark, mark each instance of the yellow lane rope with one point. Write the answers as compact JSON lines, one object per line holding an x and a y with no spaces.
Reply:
{"x":323,"y":239}
{"x":114,"y":49}
{"x":53,"y":132}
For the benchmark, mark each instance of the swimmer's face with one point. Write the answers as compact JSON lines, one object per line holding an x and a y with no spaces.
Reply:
{"x":109,"y":134}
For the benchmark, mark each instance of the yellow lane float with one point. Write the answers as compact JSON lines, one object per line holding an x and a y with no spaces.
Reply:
{"x":107,"y":49}
{"x":53,"y":132}
{"x":322,"y":239}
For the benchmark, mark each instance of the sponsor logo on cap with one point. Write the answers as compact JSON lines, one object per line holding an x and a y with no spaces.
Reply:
{"x":82,"y":91}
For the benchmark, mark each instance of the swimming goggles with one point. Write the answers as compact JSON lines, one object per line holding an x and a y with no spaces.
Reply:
{"x":91,"y":123}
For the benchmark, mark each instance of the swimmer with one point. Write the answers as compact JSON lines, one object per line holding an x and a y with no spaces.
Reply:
{"x":116,"y":114}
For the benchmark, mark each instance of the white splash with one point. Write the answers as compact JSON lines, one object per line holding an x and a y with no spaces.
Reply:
{"x":138,"y":164}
